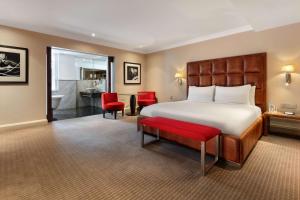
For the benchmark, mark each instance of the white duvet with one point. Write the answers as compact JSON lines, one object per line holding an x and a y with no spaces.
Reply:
{"x":229,"y":118}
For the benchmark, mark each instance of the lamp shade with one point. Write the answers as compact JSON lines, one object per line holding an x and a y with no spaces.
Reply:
{"x":288,"y":68}
{"x":178,"y":75}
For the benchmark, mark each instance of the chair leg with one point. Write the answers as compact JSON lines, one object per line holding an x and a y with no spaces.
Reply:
{"x":115,"y":114}
{"x":203,"y":153}
{"x":103,"y":113}
{"x":123,"y":113}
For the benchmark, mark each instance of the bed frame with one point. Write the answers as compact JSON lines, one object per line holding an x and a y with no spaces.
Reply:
{"x":229,"y":71}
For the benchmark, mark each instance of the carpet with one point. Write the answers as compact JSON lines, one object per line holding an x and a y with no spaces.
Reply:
{"x":96,"y":158}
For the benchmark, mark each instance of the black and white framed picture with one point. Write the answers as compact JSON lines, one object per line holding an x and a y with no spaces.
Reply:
{"x":132,"y":73}
{"x":13,"y":65}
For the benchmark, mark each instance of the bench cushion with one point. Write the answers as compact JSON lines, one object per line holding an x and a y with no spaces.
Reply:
{"x":185,"y":129}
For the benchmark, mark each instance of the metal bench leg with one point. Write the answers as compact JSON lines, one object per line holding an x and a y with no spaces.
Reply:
{"x":217,"y":148}
{"x":203,"y":150}
{"x":141,"y":128}
{"x":138,"y":127}
{"x":204,"y":166}
{"x":142,"y":136}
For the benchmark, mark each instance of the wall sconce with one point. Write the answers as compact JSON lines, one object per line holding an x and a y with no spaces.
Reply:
{"x":288,"y":69}
{"x":179,"y":77}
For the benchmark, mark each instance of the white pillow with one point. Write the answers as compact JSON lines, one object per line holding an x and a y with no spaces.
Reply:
{"x":252,"y":96}
{"x":238,"y":94}
{"x":201,"y":94}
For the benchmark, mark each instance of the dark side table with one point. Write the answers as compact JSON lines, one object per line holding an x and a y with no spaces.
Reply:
{"x":277,"y":115}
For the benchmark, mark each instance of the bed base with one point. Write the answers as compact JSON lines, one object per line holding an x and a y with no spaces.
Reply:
{"x":233,"y":149}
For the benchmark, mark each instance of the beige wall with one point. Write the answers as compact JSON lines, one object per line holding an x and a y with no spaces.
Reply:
{"x":22,"y":103}
{"x":281,"y":44}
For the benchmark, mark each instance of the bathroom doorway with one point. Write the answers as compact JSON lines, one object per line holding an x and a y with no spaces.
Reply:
{"x":75,"y":82}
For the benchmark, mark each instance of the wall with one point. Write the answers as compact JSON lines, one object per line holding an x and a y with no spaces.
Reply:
{"x":23,"y":103}
{"x":281,"y":44}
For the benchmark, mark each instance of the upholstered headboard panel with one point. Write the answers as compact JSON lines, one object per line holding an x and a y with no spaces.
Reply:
{"x":231,"y":71}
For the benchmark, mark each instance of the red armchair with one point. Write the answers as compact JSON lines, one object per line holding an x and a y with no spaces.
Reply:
{"x":110,"y":103}
{"x":146,"y":99}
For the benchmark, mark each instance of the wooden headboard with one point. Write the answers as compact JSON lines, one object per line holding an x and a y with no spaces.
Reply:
{"x":231,"y":71}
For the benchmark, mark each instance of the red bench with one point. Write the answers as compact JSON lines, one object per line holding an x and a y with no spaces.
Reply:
{"x":187,"y":130}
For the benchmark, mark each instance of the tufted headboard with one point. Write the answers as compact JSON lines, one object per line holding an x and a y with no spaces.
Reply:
{"x":231,"y":71}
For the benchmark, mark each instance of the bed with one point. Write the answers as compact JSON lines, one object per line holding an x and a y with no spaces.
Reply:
{"x":241,"y":125}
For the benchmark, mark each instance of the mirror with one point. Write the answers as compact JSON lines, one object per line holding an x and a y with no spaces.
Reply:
{"x":92,"y":74}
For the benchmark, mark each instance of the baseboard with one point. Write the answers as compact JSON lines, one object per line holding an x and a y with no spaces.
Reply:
{"x":21,"y":125}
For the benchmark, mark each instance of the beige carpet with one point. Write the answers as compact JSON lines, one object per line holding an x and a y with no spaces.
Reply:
{"x":95,"y":158}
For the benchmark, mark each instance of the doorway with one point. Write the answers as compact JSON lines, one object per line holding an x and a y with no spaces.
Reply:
{"x":75,"y":82}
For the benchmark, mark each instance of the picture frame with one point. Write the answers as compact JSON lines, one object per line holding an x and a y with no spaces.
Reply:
{"x":132,"y":73}
{"x":13,"y":65}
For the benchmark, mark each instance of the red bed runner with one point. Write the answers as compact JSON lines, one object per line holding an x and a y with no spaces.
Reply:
{"x":185,"y":129}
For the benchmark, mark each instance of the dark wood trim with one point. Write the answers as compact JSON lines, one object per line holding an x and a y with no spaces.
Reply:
{"x":124,"y":76}
{"x":27,"y":67}
{"x":49,"y":86}
{"x":109,"y":72}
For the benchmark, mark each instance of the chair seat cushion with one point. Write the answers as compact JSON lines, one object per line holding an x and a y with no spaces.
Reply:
{"x":184,"y":129}
{"x":114,"y":106}
{"x":146,"y":102}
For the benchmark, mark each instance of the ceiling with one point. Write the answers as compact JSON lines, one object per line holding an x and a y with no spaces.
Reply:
{"x":147,"y":25}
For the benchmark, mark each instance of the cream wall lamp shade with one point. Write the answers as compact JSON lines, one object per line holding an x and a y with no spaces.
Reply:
{"x":179,"y":77}
{"x":288,"y":69}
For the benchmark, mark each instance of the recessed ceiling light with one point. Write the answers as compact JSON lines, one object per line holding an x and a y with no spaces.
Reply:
{"x":93,"y":35}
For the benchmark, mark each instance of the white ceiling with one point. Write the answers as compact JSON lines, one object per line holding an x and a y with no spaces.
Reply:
{"x":147,"y":25}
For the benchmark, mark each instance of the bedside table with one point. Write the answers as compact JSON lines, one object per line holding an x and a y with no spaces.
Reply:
{"x":278,"y":116}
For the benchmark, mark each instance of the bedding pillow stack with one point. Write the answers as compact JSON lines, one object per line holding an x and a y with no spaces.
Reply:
{"x":232,"y":95}
{"x":237,"y":95}
{"x":201,"y":94}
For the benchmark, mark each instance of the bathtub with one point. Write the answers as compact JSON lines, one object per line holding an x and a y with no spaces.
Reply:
{"x":56,"y":101}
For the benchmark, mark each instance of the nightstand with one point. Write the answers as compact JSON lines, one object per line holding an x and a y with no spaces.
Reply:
{"x":279,"y":116}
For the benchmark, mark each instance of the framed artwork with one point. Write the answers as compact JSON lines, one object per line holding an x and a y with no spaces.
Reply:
{"x":13,"y":65}
{"x":132,"y":73}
